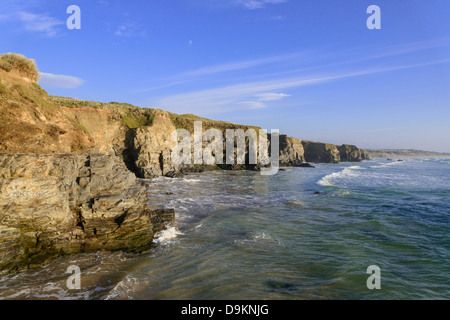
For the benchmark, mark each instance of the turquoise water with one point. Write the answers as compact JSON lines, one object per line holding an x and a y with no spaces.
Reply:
{"x":301,"y":234}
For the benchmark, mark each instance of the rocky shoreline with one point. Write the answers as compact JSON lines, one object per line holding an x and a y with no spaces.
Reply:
{"x":70,"y":171}
{"x":55,"y":205}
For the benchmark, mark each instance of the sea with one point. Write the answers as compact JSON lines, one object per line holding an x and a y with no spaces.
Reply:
{"x":304,"y":233}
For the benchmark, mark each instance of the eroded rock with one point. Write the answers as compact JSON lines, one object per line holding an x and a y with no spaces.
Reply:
{"x":52,"y":205}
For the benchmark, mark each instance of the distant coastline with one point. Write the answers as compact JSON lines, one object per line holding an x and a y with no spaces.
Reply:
{"x":404,"y":153}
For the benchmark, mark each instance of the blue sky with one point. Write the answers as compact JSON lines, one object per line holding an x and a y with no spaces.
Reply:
{"x":310,"y":68}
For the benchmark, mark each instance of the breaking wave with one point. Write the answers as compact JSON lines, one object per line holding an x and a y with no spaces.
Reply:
{"x":331,"y":179}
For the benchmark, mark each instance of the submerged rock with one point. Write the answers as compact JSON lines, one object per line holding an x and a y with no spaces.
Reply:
{"x":305,"y":165}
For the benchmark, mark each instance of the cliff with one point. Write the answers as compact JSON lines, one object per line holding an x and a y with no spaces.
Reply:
{"x":405,"y":153}
{"x":70,"y":169}
{"x":320,"y":152}
{"x":350,"y":153}
{"x":53,"y":205}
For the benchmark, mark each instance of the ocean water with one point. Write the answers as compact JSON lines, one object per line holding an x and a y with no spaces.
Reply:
{"x":301,"y":234}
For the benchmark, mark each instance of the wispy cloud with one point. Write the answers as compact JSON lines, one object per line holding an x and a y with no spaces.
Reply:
{"x":40,"y":23}
{"x":271,"y":96}
{"x":236,"y":66}
{"x":238,"y":96}
{"x":59,"y":81}
{"x":232,"y":97}
{"x":251,"y":105}
{"x":257,"y":4}
{"x":305,"y":58}
{"x":129,"y":30}
{"x":193,"y":75}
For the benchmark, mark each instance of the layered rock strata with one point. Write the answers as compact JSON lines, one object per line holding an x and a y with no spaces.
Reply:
{"x":320,"y":152}
{"x":53,"y":205}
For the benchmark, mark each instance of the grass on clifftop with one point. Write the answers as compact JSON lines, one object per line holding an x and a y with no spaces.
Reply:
{"x":131,"y":116}
{"x":186,"y":121}
{"x":18,"y":62}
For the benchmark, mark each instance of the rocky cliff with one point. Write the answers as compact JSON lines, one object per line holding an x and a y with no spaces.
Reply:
{"x":291,"y":151}
{"x":350,"y":153}
{"x":54,"y":205}
{"x":69,"y":169}
{"x":404,"y":153}
{"x":320,"y":152}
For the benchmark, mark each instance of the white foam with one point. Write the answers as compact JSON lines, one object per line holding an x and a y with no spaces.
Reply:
{"x":329,"y":180}
{"x":262,"y":236}
{"x":167,"y":235}
{"x":125,"y":289}
{"x":356,"y":168}
{"x":389,"y":164}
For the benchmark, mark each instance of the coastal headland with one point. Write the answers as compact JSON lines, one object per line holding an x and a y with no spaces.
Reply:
{"x":71,"y":170}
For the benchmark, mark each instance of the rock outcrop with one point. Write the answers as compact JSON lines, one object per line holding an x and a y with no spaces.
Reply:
{"x":291,"y":151}
{"x":150,"y":148}
{"x":69,"y":169}
{"x":365,"y":155}
{"x":54,"y":205}
{"x":320,"y":152}
{"x":350,"y":153}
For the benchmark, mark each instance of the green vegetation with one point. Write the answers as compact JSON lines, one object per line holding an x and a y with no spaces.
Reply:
{"x":14,"y":61}
{"x":134,"y":120}
{"x":82,"y":127}
{"x":75,"y":103}
{"x":33,"y":95}
{"x":38,"y":87}
{"x":131,"y":116}
{"x":186,"y":121}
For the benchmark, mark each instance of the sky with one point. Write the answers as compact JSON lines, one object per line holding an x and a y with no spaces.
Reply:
{"x":310,"y":68}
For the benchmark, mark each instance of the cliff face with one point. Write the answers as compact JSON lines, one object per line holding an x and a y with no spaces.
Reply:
{"x":404,"y":153}
{"x":291,"y":151}
{"x":53,"y":205}
{"x":68,"y":170}
{"x":319,"y":152}
{"x":30,"y":122}
{"x":350,"y":153}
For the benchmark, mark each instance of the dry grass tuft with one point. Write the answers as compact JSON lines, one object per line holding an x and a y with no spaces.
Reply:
{"x":26,"y":67}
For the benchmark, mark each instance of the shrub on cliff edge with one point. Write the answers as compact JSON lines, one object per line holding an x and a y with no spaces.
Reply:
{"x":18,"y":62}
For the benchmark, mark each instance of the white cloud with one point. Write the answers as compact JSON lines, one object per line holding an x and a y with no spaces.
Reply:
{"x":226,"y":67}
{"x":258,"y":4}
{"x":278,"y":18}
{"x":251,"y":104}
{"x":59,"y":81}
{"x":234,"y":96}
{"x":130,"y":29}
{"x":231,"y":97}
{"x":41,"y":23}
{"x":271,"y":96}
